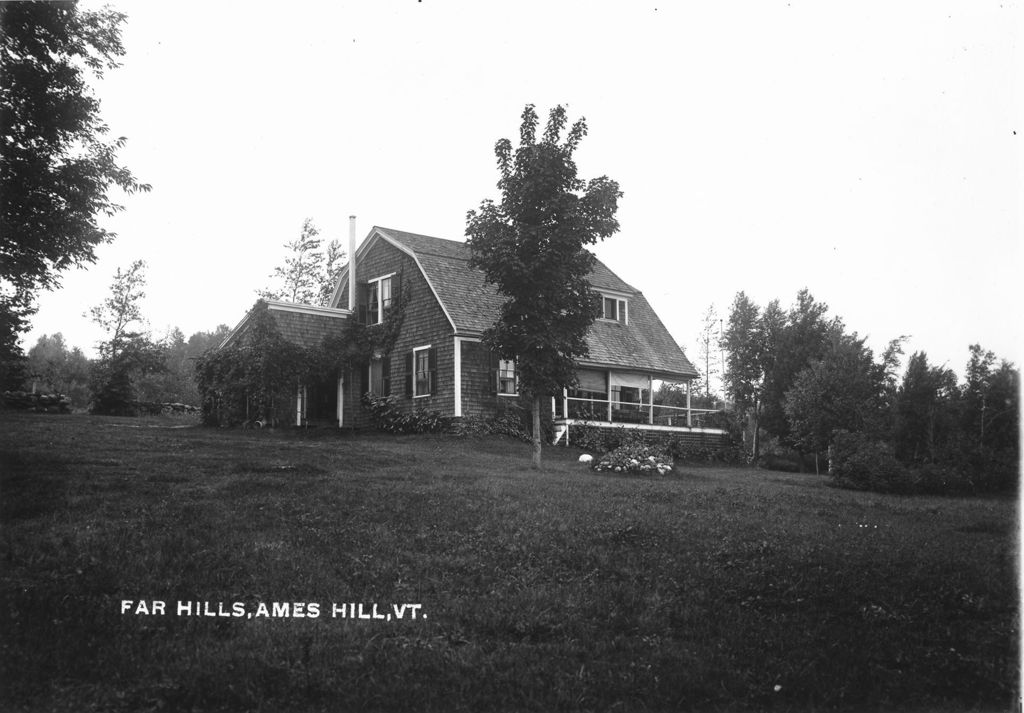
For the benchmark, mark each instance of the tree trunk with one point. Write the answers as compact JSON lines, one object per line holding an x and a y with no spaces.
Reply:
{"x":757,"y":430}
{"x":536,"y":433}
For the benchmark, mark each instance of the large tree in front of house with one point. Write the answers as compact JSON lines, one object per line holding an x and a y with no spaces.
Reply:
{"x":532,"y":245}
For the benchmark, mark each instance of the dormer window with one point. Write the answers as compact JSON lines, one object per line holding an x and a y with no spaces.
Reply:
{"x":614,"y":309}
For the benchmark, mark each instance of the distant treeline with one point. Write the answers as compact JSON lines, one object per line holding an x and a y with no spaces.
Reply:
{"x":153,"y":372}
{"x":802,"y":387}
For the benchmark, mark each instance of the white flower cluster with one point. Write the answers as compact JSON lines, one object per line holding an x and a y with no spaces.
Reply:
{"x":634,"y":459}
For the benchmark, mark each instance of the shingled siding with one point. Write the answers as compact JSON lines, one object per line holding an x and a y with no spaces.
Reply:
{"x":479,"y":395}
{"x":424,"y":323}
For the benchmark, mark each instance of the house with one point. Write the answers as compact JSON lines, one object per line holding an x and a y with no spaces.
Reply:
{"x":438,"y":362}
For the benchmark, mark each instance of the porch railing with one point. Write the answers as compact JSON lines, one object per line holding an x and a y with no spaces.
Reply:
{"x":628,"y":412}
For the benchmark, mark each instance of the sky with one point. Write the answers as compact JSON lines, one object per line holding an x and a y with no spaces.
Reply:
{"x":867,"y":151}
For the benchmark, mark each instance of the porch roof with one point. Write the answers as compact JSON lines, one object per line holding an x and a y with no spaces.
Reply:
{"x":304,"y":325}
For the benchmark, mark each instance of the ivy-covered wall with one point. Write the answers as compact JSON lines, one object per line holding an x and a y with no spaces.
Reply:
{"x":423,"y":323}
{"x":256,"y":376}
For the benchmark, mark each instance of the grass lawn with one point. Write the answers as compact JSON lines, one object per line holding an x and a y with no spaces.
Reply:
{"x":713,"y":589}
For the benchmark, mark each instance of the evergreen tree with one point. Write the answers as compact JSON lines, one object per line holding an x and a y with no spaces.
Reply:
{"x":745,"y":348}
{"x":926,"y":404}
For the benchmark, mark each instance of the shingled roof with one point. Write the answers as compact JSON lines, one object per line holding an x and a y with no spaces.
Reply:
{"x":473,"y":305}
{"x":304,"y":325}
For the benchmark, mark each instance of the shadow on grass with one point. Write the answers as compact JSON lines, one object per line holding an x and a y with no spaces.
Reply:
{"x":32,"y":485}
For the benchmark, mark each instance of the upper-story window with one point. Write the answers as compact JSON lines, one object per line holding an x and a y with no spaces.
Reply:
{"x":378,"y":299}
{"x":615,"y":309}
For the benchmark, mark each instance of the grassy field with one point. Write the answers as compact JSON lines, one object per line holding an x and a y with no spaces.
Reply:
{"x":712,"y":589}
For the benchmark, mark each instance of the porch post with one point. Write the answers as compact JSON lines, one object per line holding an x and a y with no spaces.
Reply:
{"x":300,"y":406}
{"x":458,"y":378}
{"x":565,"y":402}
{"x":650,"y":391}
{"x":689,"y":414}
{"x":341,"y":402}
{"x":608,"y":383}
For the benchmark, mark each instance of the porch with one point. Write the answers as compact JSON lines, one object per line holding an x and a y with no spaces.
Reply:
{"x":626,"y":400}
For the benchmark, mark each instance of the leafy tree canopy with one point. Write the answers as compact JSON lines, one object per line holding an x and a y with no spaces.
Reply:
{"x":926,"y":406}
{"x":128,"y":353}
{"x":121,"y":311}
{"x":57,"y":164}
{"x":843,"y":389}
{"x":744,"y":345}
{"x":791,"y":341}
{"x":532,"y":246}
{"x":310,"y":272}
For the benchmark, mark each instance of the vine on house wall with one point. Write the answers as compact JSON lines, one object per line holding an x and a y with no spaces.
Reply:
{"x":358,"y":343}
{"x":255,"y":378}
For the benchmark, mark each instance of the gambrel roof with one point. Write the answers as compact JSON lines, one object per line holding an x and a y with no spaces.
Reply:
{"x":472,"y":305}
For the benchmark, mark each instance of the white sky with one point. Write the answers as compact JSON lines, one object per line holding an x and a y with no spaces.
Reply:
{"x":866,"y":151}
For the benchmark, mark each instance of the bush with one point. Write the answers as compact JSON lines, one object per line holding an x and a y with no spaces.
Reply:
{"x":635,"y":458}
{"x":780,"y":462}
{"x":989,"y":470}
{"x":862,"y":463}
{"x":686,"y":450}
{"x":510,"y":423}
{"x":387,"y":418}
{"x":601,"y":440}
{"x":940,"y":478}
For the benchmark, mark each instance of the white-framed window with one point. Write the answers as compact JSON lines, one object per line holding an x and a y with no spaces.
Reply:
{"x":615,"y":309}
{"x":422,"y":372}
{"x":507,"y":377}
{"x":378,"y":298}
